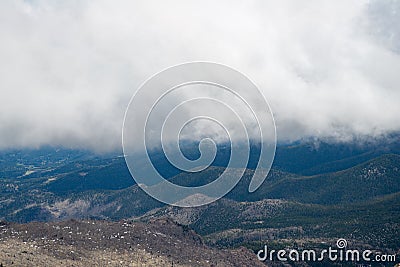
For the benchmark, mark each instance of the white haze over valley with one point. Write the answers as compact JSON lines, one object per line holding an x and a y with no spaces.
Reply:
{"x":68,"y":69}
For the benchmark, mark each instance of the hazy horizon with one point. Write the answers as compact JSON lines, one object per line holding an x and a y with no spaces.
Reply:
{"x":329,"y":70}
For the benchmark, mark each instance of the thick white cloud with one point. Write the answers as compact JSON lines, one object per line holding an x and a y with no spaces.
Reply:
{"x":69,"y":68}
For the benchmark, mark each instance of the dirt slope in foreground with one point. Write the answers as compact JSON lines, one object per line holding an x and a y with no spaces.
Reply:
{"x":101,"y":243}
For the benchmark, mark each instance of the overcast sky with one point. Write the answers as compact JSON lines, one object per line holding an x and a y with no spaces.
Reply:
{"x":69,"y":68}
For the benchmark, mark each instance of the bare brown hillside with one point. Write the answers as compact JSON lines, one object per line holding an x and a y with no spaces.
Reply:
{"x":102,"y":243}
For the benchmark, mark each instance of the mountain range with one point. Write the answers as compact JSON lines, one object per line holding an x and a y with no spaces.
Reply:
{"x":315,"y":193}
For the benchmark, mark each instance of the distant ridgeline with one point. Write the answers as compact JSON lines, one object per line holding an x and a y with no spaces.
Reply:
{"x":312,"y":184}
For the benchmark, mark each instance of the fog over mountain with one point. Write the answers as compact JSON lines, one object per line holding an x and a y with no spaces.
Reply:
{"x":68,"y":69}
